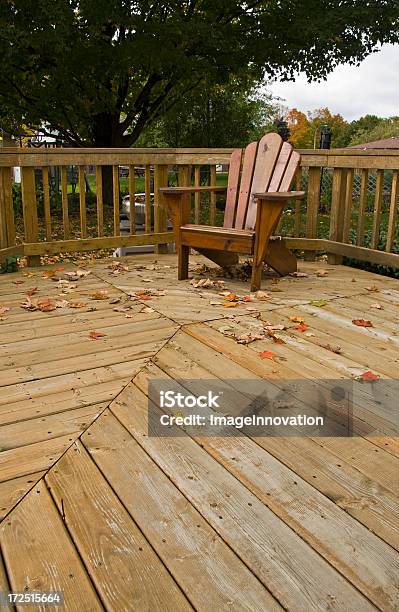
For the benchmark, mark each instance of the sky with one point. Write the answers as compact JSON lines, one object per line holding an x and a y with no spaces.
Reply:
{"x":352,"y":91}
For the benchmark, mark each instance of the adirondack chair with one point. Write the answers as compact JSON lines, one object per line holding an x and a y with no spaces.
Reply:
{"x":254,"y":205}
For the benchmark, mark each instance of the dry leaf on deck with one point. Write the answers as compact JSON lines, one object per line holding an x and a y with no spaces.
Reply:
{"x":369,"y":376}
{"x":297,"y":319}
{"x":76,"y":305}
{"x":230,"y":304}
{"x":262,"y":296}
{"x":322,"y":273}
{"x":99,"y":295}
{"x":318,"y":303}
{"x":267,"y":355}
{"x":302,"y":327}
{"x":299,"y":274}
{"x":275,"y":338}
{"x":248,"y":338}
{"x":96,"y":335}
{"x":332,"y":348}
{"x":31,"y":292}
{"x":372,"y":288}
{"x":377,"y":306}
{"x":362,"y":323}
{"x":279,"y":327}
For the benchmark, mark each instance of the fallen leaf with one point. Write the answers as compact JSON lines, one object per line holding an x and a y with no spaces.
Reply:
{"x":372,"y":288}
{"x":248,"y":338}
{"x":377,"y":306}
{"x":279,"y":327}
{"x":299,"y":274}
{"x":262,"y":296}
{"x":302,"y":327}
{"x":369,"y":376}
{"x":31,"y":291}
{"x":147,"y":309}
{"x":224,"y":329}
{"x":275,"y":338}
{"x":297,"y":319}
{"x":215,"y":303}
{"x":61,"y":303}
{"x":99,"y":295}
{"x":318,"y":303}
{"x":3,"y":310}
{"x":362,"y":323}
{"x":115,"y":300}
{"x":267,"y":355}
{"x":310,"y":335}
{"x":46,"y":305}
{"x":322,"y":273}
{"x":330,"y":347}
{"x":96,"y":335}
{"x":76,"y":305}
{"x":248,"y":298}
{"x":18,"y":282}
{"x":231,"y":297}
{"x":230,"y":304}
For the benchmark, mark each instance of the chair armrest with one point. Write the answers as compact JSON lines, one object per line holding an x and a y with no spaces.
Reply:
{"x":183,"y":190}
{"x":276,"y":196}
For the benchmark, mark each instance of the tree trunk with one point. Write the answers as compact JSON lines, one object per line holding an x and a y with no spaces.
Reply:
{"x":105,"y":135}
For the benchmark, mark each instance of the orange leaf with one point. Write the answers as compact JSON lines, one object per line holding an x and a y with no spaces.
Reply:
{"x":96,"y":335}
{"x":99,"y":295}
{"x":267,"y":355}
{"x":31,"y":291}
{"x":362,"y":323}
{"x":302,"y":327}
{"x":369,"y":376}
{"x":297,"y":319}
{"x":46,"y":305}
{"x":230,"y":304}
{"x":231,"y":297}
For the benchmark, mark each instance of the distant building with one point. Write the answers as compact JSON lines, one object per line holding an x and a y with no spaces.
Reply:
{"x":385,"y":143}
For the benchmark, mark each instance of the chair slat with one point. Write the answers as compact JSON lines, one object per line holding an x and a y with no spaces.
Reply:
{"x":232,"y":188}
{"x":266,"y":158}
{"x":280,"y":167}
{"x":290,"y":171}
{"x":245,"y":185}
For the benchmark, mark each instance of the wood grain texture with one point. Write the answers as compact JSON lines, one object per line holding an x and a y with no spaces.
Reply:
{"x":124,"y":568}
{"x":38,"y":561}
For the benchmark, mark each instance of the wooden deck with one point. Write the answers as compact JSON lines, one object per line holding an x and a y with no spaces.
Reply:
{"x":93,"y":506}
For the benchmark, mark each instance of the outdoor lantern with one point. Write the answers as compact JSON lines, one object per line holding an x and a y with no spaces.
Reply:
{"x":282,"y":129}
{"x":325,"y":137}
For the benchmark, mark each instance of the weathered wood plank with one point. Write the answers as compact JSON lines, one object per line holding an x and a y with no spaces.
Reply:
{"x":31,"y":546}
{"x":393,"y":208}
{"x":82,"y":202}
{"x":64,"y":201}
{"x":379,"y":187}
{"x":46,"y":202}
{"x":124,"y":568}
{"x":100,"y":202}
{"x":362,"y":207}
{"x":212,"y":576}
{"x":12,"y":491}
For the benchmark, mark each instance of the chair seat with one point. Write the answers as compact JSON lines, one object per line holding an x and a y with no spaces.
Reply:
{"x":220,"y":238}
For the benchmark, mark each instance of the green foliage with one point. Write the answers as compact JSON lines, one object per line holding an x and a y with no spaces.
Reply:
{"x":10,"y":265}
{"x":97,"y":72}
{"x":377,"y":128}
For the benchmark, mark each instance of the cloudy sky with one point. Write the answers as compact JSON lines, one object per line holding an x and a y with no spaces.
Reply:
{"x":371,"y":88}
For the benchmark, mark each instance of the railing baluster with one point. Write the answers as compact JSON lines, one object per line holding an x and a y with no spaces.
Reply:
{"x":377,"y":209}
{"x":30,"y":210}
{"x":100,"y":201}
{"x":362,"y":207}
{"x":197,"y":196}
{"x":160,"y":217}
{"x":147,"y":189}
{"x":115,"y":183}
{"x":82,"y":202}
{"x":132,"y":200}
{"x":212,"y":212}
{"x":393,"y":210}
{"x":312,"y":208}
{"x":64,"y":200}
{"x":7,"y":227}
{"x":46,"y":203}
{"x":298,"y":203}
{"x":337,"y":211}
{"x":348,"y":206}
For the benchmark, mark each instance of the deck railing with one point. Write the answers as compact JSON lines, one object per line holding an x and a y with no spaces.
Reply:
{"x":336,"y":217}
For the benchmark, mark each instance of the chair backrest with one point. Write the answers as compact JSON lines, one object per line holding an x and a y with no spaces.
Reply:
{"x":269,"y":165}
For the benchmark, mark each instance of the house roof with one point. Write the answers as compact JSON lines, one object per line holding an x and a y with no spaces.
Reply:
{"x":385,"y":143}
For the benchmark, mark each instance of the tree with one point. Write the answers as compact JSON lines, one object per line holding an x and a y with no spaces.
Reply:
{"x":220,"y":116}
{"x":371,"y":128}
{"x":97,"y":72}
{"x":300,"y":129}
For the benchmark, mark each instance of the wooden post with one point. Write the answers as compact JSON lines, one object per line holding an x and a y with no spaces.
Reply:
{"x":64,"y":197}
{"x":132,"y":200}
{"x":337,"y":211}
{"x":298,"y":204}
{"x":147,"y":189}
{"x":160,"y":216}
{"x":30,"y":211}
{"x":7,"y":228}
{"x":312,"y":208}
{"x":115,"y":197}
{"x":197,"y":196}
{"x":348,"y":206}
{"x":212,"y":212}
{"x":362,"y":207}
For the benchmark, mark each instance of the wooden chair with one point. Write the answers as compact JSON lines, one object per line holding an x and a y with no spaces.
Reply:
{"x":254,"y":205}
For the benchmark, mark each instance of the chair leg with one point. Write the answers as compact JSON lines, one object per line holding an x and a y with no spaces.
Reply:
{"x":256,"y":278}
{"x":182,"y":253}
